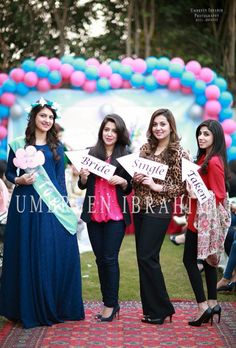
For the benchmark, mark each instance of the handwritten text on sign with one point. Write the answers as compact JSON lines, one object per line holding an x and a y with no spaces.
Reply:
{"x":135,"y":164}
{"x":81,"y":159}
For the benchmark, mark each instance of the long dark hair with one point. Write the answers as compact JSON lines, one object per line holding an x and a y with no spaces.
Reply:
{"x":51,"y":139}
{"x":218,"y":146}
{"x":174,"y":138}
{"x":123,"y":141}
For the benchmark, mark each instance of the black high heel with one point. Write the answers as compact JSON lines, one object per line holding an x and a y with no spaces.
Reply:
{"x":216,"y":310}
{"x":204,"y":318}
{"x":156,"y":321}
{"x":115,"y":312}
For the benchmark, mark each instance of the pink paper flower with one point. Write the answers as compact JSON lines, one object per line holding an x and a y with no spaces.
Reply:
{"x":28,"y":158}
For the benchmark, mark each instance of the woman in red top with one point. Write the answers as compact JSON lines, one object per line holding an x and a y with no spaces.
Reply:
{"x":211,"y":157}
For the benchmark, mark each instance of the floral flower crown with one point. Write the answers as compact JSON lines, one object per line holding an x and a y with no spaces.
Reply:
{"x":53,"y":105}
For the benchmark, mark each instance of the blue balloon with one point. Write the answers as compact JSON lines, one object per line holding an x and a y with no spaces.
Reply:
{"x":42,"y":70}
{"x":3,"y":154}
{"x":1,"y":91}
{"x":103,"y":84}
{"x":67,"y":60}
{"x":225,"y":99}
{"x":79,"y":64}
{"x":137,"y":80}
{"x":91,"y":73}
{"x":231,"y":152}
{"x":199,"y":87}
{"x":187,"y":79}
{"x":150,"y":83}
{"x":21,"y":88}
{"x":163,"y":63}
{"x":225,"y":113}
{"x":28,"y":65}
{"x":176,"y":70}
{"x":125,"y":72}
{"x":115,"y":66}
{"x":9,"y":86}
{"x":54,"y":77}
{"x":221,"y":84}
{"x":151,"y":64}
{"x":201,"y":99}
{"x":233,"y":136}
{"x":4,"y":111}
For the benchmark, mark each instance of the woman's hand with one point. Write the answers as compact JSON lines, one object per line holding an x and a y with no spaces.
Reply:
{"x":138,"y":178}
{"x":84,"y":173}
{"x":118,"y":180}
{"x":190,"y":191}
{"x":148,"y":181}
{"x":25,"y":179}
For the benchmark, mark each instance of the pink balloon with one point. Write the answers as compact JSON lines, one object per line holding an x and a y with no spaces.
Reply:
{"x":139,"y":65}
{"x":41,"y":60}
{"x":178,"y":60}
{"x":17,"y":75}
{"x":20,"y":153}
{"x":92,"y":61}
{"x":212,"y":107}
{"x":77,"y":78}
{"x":193,"y":66}
{"x":43,"y":85}
{"x":30,"y":79}
{"x":116,"y":81}
{"x":186,"y":90}
{"x":104,"y":70}
{"x":8,"y":99}
{"x":127,"y":61}
{"x":126,"y":84}
{"x":228,"y":140}
{"x":54,"y":64}
{"x":66,"y":70}
{"x":174,"y":84}
{"x":3,"y":132}
{"x":89,"y":86}
{"x":212,"y":92}
{"x":206,"y":116}
{"x":3,"y":77}
{"x":206,"y":75}
{"x":162,"y":77}
{"x":229,"y":126}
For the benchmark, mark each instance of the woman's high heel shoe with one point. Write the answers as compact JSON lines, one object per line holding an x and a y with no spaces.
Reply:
{"x":214,"y":310}
{"x":156,"y":321}
{"x":115,"y":312}
{"x":204,"y":318}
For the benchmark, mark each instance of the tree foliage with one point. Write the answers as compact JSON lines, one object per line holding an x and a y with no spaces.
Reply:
{"x":131,"y":28}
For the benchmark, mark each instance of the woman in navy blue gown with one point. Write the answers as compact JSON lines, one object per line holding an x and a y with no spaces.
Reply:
{"x":41,"y":277}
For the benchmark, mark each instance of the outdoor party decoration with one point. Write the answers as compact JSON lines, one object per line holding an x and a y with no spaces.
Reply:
{"x":212,"y":99}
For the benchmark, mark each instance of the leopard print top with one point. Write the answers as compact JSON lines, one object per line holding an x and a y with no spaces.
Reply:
{"x":173,"y":185}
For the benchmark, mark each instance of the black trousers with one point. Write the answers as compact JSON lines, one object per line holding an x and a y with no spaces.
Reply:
{"x":190,"y":263}
{"x":149,"y":235}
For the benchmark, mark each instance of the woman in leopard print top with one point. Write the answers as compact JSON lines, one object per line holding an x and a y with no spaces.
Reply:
{"x":152,"y":209}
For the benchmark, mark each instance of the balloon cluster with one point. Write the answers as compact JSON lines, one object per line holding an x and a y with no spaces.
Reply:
{"x":212,"y":99}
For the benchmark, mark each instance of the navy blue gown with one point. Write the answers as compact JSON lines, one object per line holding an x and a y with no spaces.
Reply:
{"x":41,"y":276}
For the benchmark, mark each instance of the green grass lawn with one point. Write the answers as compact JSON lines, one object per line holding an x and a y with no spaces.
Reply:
{"x":172,"y":266}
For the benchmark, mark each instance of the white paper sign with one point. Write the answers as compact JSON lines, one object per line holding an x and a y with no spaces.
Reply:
{"x":135,"y":164}
{"x":190,"y":173}
{"x":81,"y":159}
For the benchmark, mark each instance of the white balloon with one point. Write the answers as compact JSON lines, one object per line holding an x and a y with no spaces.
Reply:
{"x":105,"y":110}
{"x":16,"y":111}
{"x":195,"y":112}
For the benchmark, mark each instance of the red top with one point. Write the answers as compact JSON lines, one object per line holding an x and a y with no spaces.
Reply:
{"x":214,"y":180}
{"x":106,"y":206}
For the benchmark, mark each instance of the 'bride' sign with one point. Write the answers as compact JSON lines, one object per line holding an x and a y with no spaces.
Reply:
{"x":81,"y":159}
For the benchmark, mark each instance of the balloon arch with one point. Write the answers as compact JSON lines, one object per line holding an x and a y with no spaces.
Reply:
{"x":212,"y":99}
